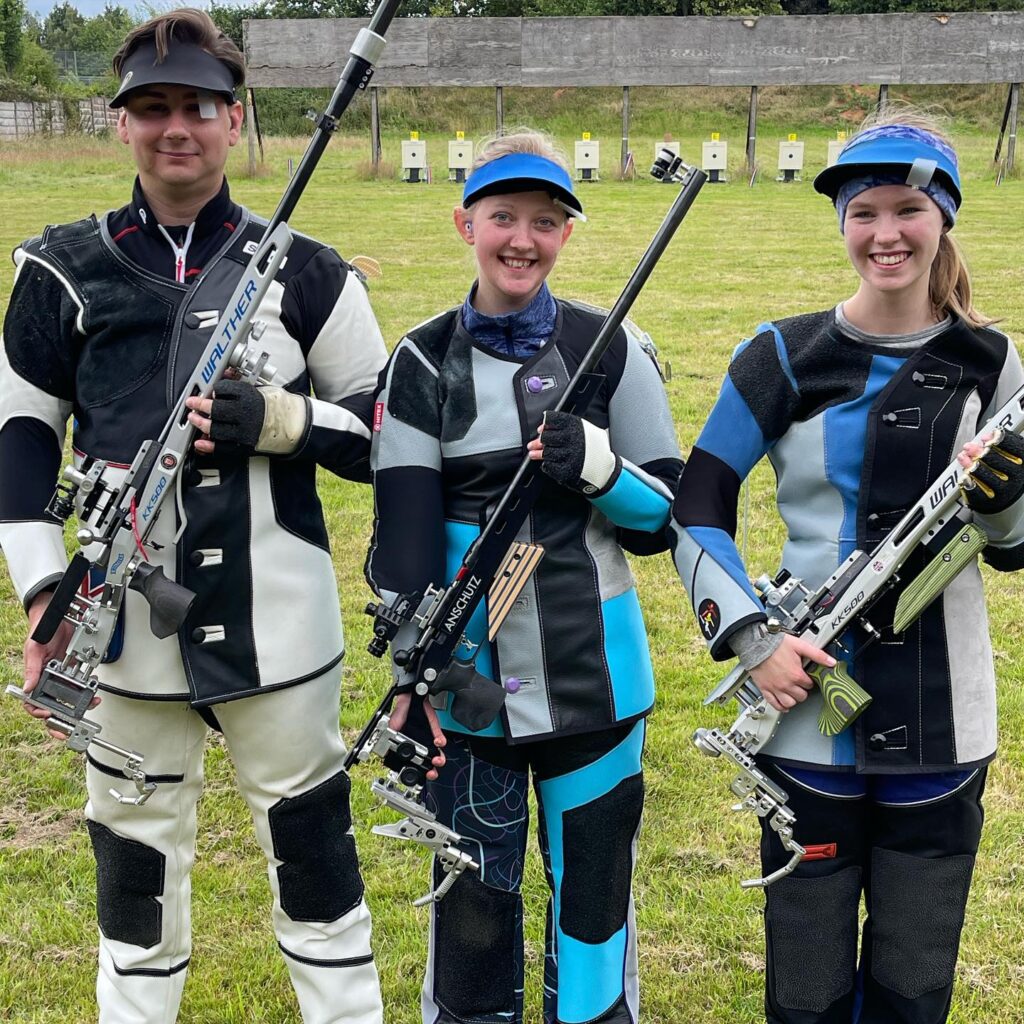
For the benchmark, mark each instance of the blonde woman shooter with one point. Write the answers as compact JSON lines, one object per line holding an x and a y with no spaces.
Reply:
{"x":464,"y":398}
{"x":859,"y":407}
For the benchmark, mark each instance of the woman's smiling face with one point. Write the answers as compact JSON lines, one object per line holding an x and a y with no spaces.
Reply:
{"x":892,"y":236}
{"x":517,"y":238}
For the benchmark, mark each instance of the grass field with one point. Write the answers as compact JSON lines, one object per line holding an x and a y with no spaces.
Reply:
{"x":742,"y":255}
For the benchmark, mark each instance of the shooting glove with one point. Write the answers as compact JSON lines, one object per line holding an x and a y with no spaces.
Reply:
{"x":247,"y":419}
{"x":997,"y":478}
{"x":577,"y":454}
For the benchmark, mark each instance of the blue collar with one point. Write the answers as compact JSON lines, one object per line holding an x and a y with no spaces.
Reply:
{"x":518,"y":334}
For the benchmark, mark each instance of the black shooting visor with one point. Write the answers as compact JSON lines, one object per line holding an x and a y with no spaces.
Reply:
{"x":185,"y":64}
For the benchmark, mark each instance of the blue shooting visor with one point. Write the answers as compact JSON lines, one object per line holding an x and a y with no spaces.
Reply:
{"x":522,"y":172}
{"x":913,"y":158}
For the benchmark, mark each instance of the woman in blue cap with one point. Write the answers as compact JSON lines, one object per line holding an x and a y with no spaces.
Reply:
{"x":859,"y":407}
{"x":463,"y":398}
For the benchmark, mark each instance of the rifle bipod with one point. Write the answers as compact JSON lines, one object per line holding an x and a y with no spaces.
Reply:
{"x":402,"y":790}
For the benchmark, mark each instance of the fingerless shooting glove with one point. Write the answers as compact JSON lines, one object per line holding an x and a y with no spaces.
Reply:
{"x":247,"y":419}
{"x":577,"y":454}
{"x":997,"y":478}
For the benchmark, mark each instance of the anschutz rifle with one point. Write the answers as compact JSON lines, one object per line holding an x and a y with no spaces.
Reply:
{"x":497,"y":565}
{"x":940,"y":522}
{"x":119,"y":516}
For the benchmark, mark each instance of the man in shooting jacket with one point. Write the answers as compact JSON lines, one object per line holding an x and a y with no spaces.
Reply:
{"x":107,"y":321}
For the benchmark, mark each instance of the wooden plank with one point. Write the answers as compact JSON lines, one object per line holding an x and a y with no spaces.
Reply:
{"x":662,"y":51}
{"x":312,"y":52}
{"x":872,"y":49}
{"x":850,"y":46}
{"x":462,"y":50}
{"x":948,"y":49}
{"x":567,"y":51}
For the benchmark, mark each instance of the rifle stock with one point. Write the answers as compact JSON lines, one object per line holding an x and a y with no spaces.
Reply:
{"x":941,"y":521}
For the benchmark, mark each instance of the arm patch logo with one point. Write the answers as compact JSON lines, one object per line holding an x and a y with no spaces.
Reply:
{"x":709,"y":617}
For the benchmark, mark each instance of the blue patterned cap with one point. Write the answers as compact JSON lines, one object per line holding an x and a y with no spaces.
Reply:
{"x":894,"y":154}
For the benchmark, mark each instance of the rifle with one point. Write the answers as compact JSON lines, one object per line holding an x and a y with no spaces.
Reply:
{"x":119,"y":515}
{"x":942,"y":524}
{"x":495,"y":564}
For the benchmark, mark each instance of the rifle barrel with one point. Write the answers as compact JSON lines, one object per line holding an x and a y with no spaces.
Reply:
{"x":355,"y":76}
{"x":613,"y":321}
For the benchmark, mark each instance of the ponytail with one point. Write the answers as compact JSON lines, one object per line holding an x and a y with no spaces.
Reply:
{"x":950,"y":285}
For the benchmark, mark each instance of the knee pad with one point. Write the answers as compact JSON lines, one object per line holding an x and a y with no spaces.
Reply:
{"x":917,"y":913}
{"x":319,"y":875}
{"x":811,"y":926}
{"x":475,"y":928}
{"x":597,"y":840}
{"x":129,"y":878}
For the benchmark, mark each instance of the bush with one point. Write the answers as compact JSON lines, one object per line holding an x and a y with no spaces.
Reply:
{"x":10,"y":89}
{"x":36,"y":68}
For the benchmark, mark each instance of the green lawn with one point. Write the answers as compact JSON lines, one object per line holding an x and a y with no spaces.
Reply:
{"x":744,"y":254}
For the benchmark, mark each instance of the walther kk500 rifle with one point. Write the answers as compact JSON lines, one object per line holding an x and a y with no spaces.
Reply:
{"x":117,"y":515}
{"x":494,"y":565}
{"x":943,"y":525}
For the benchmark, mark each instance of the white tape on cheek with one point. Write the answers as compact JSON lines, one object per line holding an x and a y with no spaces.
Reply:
{"x":207,"y":105}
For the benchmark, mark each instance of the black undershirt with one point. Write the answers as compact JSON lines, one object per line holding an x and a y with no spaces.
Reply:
{"x":136,"y":234}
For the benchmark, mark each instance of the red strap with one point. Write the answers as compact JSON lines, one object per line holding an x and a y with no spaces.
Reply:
{"x":820,"y":851}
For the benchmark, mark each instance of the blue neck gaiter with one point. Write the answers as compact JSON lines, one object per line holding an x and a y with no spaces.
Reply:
{"x":518,"y":334}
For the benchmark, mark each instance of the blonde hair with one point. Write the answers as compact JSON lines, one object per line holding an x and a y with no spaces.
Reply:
{"x":521,"y":140}
{"x":949,"y":285}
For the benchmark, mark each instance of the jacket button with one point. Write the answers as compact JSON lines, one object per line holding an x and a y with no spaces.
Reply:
{"x":197,"y":558}
{"x":194,"y":478}
{"x":198,"y":635}
{"x":890,"y":418}
{"x":877,"y":741}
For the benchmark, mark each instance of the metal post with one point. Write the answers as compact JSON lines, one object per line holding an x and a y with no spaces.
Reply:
{"x":625,"y":129}
{"x":499,"y":110}
{"x":883,"y":97}
{"x":1002,"y":127}
{"x":250,"y":131}
{"x":375,"y":146}
{"x":752,"y":131}
{"x":1011,"y":140}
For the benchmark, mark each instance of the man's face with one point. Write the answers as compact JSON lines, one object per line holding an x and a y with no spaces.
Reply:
{"x":179,"y":153}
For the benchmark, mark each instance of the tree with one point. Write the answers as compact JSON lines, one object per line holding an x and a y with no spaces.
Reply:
{"x":906,"y":6}
{"x":62,"y":28}
{"x":11,"y":41}
{"x":106,"y":31}
{"x":805,"y":6}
